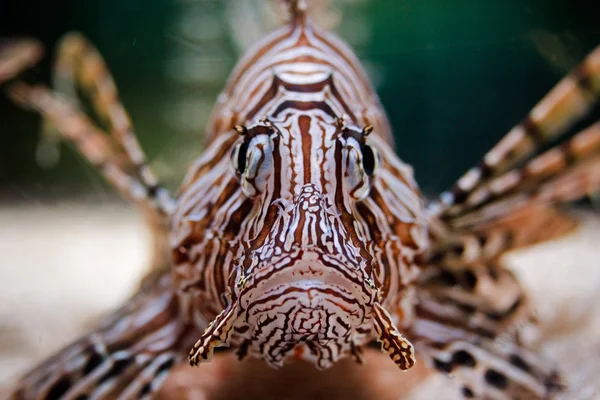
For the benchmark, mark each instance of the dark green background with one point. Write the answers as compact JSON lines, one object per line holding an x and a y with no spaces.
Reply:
{"x":455,"y":76}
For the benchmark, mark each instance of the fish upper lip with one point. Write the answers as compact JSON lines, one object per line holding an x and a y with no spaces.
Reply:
{"x":319,"y":276}
{"x":293,"y":276}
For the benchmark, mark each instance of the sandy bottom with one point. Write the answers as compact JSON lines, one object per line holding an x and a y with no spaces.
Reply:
{"x":65,"y":265}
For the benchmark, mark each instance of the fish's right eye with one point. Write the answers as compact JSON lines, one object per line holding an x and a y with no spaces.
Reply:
{"x":240,"y":157}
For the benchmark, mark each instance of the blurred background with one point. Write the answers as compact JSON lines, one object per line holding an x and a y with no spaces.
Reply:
{"x":454,"y":76}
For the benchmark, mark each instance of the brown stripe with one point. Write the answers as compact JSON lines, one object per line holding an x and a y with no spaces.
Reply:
{"x":583,"y":79}
{"x":304,"y":106}
{"x":305,"y":137}
{"x":485,"y":170}
{"x":532,"y":130}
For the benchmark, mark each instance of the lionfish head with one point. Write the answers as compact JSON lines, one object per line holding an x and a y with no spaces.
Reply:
{"x":304,"y":286}
{"x":305,"y":281}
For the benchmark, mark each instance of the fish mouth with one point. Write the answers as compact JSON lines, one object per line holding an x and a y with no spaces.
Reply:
{"x":307,"y":309}
{"x":313,"y":270}
{"x":306,"y":319}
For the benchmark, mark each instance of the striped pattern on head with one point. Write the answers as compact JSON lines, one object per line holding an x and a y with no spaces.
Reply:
{"x":299,"y":220}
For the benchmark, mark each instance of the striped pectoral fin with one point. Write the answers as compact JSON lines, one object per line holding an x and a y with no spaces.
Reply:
{"x":483,"y":300}
{"x":217,"y":334}
{"x":473,"y":323}
{"x":401,"y":351}
{"x":524,"y":226}
{"x":493,"y":370}
{"x":92,"y":371}
{"x":485,"y":368}
{"x":128,"y":357}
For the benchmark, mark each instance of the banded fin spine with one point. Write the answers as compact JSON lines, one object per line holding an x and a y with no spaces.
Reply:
{"x":401,"y":351}
{"x":217,"y":334}
{"x":568,"y":101}
{"x":113,"y":147}
{"x":549,"y":165}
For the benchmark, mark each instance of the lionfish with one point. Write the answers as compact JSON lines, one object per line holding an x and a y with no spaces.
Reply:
{"x":299,"y":234}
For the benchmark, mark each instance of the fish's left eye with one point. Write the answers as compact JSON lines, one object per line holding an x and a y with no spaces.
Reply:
{"x":368,"y":159}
